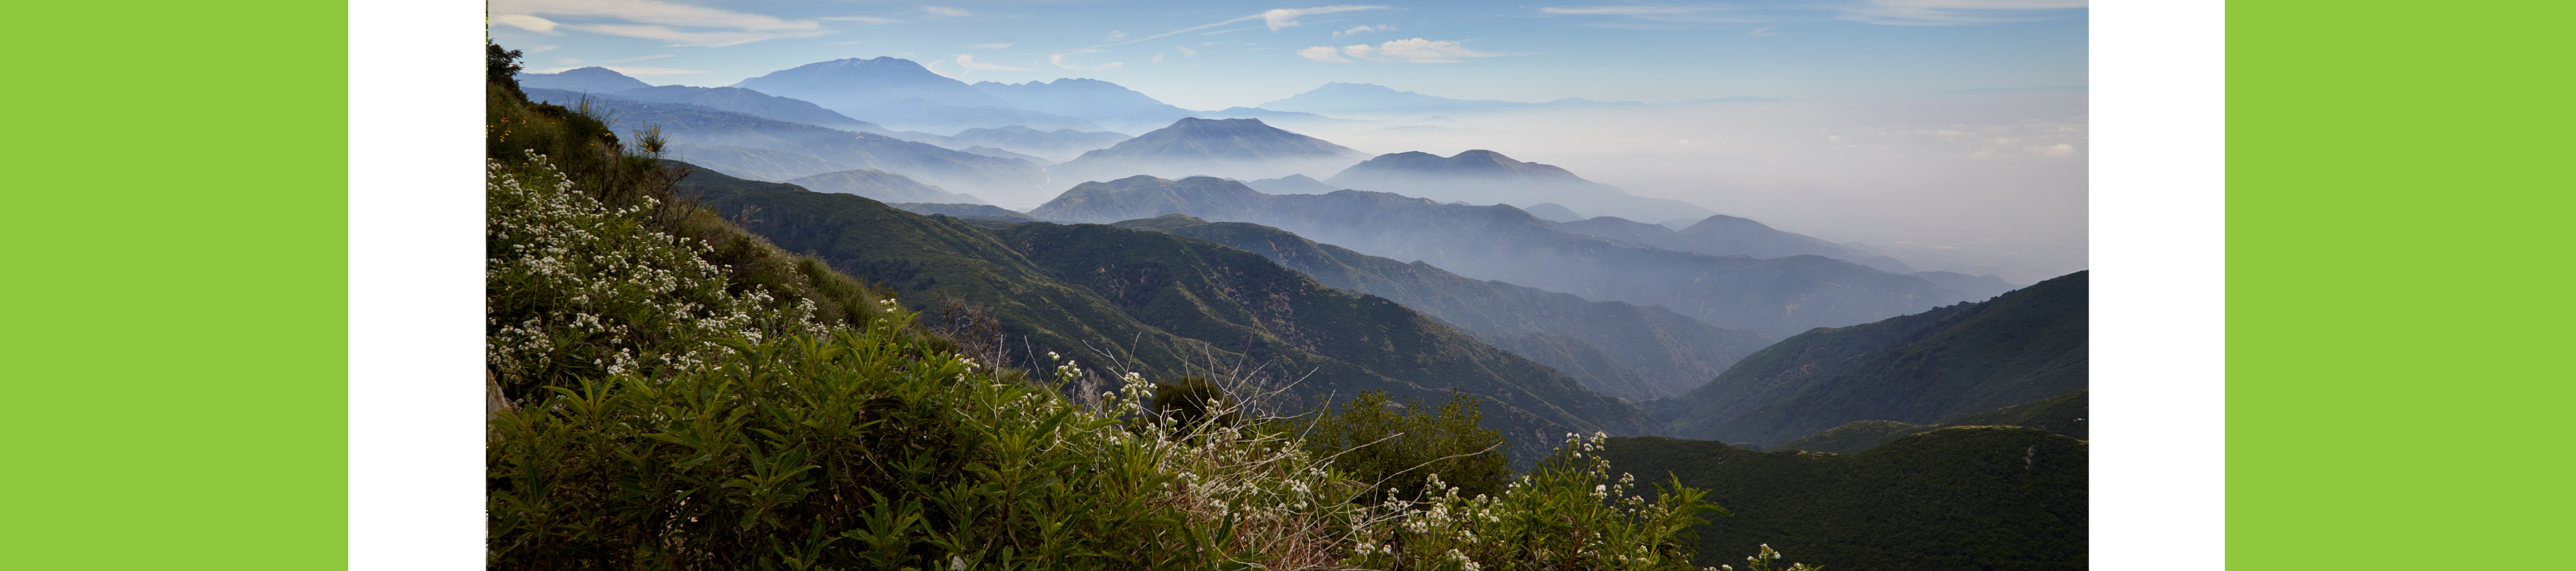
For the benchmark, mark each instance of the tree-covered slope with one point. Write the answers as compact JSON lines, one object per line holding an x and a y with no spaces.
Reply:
{"x":1918,"y":369}
{"x":1974,"y":498}
{"x":2063,"y":414}
{"x":1619,"y":349}
{"x":1168,"y":305}
{"x":1778,"y":297}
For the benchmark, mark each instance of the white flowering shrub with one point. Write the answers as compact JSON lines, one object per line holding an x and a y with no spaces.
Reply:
{"x":578,"y":289}
{"x":1567,"y":513}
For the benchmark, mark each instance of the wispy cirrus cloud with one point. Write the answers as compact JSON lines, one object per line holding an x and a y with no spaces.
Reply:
{"x":652,"y":20}
{"x":1956,"y":12}
{"x":864,"y":19}
{"x":1414,"y":50}
{"x":1362,"y":30}
{"x":944,"y":12}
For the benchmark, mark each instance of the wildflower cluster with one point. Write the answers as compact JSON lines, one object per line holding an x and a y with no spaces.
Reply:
{"x":575,"y":288}
{"x":1568,"y":513}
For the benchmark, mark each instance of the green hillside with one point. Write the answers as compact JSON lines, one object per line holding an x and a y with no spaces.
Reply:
{"x":1956,"y":499}
{"x":1616,"y":348}
{"x":2062,"y":414}
{"x":1942,"y":364}
{"x":1167,"y":305}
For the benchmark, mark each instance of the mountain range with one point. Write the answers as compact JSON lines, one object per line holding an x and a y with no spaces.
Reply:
{"x":1241,"y":148}
{"x":1778,"y":297}
{"x":1058,"y":145}
{"x":1486,"y":177}
{"x":836,"y":149}
{"x":1721,"y":235}
{"x":1925,"y":368}
{"x":1614,"y":348}
{"x":902,"y":94}
{"x":1098,"y":101}
{"x":1168,"y":305}
{"x":2063,"y":414}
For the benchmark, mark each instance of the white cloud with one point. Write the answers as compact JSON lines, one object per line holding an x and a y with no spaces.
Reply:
{"x":864,"y":19}
{"x":1114,"y":35}
{"x":529,"y":23}
{"x":637,"y":59}
{"x":1955,"y":12}
{"x":968,"y":62}
{"x":1286,"y":17}
{"x":1415,"y":50}
{"x":945,"y":12}
{"x":1158,"y":58}
{"x":541,"y":49}
{"x":988,"y":46}
{"x":654,"y":20}
{"x":1325,"y":54}
{"x":1363,"y":29}
{"x":1186,"y":51}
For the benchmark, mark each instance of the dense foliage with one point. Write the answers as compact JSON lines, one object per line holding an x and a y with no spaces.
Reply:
{"x":1394,"y":446}
{"x":1955,"y":499}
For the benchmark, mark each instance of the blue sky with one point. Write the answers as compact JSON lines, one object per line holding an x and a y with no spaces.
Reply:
{"x":1203,"y":55}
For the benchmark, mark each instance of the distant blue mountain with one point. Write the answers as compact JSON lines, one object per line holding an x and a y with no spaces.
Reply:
{"x":583,"y":80}
{"x":1091,"y":99}
{"x":901,"y":94}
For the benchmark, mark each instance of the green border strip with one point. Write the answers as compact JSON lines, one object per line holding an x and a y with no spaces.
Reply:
{"x":177,"y":345}
{"x":2398,"y":210}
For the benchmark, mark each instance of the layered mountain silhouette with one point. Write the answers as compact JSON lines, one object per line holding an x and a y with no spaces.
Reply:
{"x":881,"y":186}
{"x":1237,"y":148}
{"x":753,"y":163}
{"x":1291,"y":184}
{"x":1169,"y":305}
{"x":1613,"y":348}
{"x":1487,"y":177}
{"x":1098,"y":101}
{"x":1551,"y":211}
{"x":583,"y":80}
{"x":1925,"y":368}
{"x":999,"y":178}
{"x":1722,"y":235}
{"x":1778,"y":297}
{"x":1058,"y":145}
{"x":902,"y":94}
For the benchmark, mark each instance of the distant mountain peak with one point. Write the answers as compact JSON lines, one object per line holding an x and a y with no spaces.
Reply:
{"x":584,"y":79}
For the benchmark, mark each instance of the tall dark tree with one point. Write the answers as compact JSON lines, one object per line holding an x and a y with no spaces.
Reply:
{"x":502,"y":67}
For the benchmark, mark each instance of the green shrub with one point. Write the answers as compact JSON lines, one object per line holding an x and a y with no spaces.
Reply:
{"x":1392,"y":445}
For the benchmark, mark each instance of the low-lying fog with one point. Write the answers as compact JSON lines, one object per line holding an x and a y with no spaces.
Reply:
{"x":1991,"y":183}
